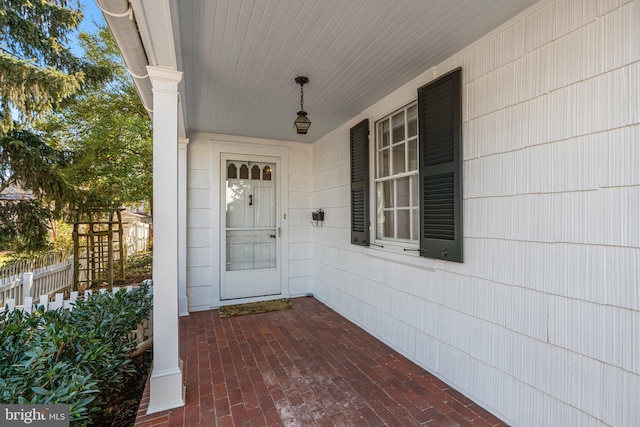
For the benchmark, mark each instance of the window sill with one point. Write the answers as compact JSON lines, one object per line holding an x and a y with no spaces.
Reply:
{"x":398,"y":255}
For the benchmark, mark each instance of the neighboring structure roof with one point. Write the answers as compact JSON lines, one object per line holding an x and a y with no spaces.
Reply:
{"x":129,"y":216}
{"x":14,"y":192}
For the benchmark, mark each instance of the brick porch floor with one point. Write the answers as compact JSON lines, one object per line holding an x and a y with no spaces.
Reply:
{"x":304,"y":367}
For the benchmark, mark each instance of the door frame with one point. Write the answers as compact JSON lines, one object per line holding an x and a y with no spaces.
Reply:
{"x":241,"y":146}
{"x":240,"y":158}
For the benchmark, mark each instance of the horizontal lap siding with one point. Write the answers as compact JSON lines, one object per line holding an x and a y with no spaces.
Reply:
{"x":199,"y":226}
{"x":539,"y":324}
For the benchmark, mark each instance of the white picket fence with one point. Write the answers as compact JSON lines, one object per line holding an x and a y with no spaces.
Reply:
{"x":48,"y":280}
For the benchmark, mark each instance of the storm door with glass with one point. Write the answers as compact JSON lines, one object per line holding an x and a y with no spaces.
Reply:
{"x":250,"y":241}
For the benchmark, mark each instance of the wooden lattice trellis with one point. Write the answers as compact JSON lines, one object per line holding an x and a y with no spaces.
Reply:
{"x":98,"y":249}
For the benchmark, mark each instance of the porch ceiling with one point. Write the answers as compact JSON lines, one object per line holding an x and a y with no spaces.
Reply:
{"x":240,"y":58}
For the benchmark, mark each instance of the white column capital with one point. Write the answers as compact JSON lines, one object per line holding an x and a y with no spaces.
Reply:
{"x":182,"y":143}
{"x":164,"y":79}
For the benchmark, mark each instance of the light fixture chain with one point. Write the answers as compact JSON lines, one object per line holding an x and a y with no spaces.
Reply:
{"x":302,"y":97}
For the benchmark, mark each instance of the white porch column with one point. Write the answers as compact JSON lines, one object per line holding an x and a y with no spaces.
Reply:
{"x":183,"y":301}
{"x":166,"y":384}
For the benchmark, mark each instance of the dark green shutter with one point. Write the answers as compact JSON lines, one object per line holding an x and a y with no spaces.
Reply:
{"x":360,"y":183}
{"x":440,"y":124}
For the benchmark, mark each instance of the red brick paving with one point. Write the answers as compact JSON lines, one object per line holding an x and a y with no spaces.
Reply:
{"x":304,"y":367}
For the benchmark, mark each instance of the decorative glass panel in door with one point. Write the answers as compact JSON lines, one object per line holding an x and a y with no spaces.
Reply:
{"x":251,"y":234}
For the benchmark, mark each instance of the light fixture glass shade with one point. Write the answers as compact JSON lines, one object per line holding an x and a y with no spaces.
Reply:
{"x":302,"y":122}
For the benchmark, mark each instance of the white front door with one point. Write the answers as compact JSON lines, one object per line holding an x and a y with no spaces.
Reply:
{"x":250,"y":238}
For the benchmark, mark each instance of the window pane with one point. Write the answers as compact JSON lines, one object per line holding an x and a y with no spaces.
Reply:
{"x":412,"y":154}
{"x":384,"y":227}
{"x":383,"y":134}
{"x":384,"y":196}
{"x":415,"y":190}
{"x":387,"y":189}
{"x":255,"y":172}
{"x":232,"y":171}
{"x":412,"y":121}
{"x":415,"y":224}
{"x":244,"y":172}
{"x":387,"y":226}
{"x":384,"y":201}
{"x":404,"y":224}
{"x":250,"y":250}
{"x":383,"y":163}
{"x":397,"y":199}
{"x":380,"y":205}
{"x":398,"y":159}
{"x":397,"y":122}
{"x":402,"y":192}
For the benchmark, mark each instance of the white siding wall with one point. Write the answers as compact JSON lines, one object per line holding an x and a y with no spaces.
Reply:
{"x":203,"y":220}
{"x":299,"y":217}
{"x":541,"y":323}
{"x":200,"y":224}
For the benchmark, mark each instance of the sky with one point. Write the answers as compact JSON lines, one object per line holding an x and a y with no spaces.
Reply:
{"x":92,"y":16}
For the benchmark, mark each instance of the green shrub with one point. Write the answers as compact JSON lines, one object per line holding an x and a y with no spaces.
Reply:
{"x":77,"y":358}
{"x":138,"y":268}
{"x":141,"y":263}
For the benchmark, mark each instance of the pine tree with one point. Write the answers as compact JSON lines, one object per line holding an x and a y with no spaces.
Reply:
{"x":38,"y":73}
{"x":37,"y":68}
{"x":28,"y":163}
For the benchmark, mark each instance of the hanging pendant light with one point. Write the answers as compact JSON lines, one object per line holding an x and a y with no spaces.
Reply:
{"x":302,"y":122}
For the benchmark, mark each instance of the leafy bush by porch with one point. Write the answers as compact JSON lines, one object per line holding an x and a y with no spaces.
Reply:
{"x":78,"y":358}
{"x":138,"y":268}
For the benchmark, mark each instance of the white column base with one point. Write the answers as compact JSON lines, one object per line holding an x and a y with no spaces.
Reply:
{"x":166,"y":390}
{"x":183,"y":306}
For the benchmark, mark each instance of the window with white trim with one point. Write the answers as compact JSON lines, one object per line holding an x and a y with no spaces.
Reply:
{"x":396,"y":178}
{"x":417,"y":172}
